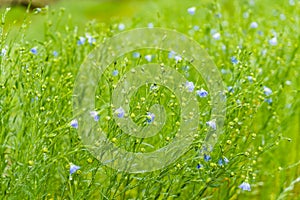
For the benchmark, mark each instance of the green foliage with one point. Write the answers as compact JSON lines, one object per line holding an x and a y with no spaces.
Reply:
{"x":39,"y":62}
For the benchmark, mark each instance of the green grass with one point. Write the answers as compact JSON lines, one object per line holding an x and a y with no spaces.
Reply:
{"x":38,"y":145}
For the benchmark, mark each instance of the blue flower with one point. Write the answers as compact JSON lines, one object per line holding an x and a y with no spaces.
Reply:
{"x":250,"y":79}
{"x":150,"y":25}
{"x":218,"y":15}
{"x":223,"y":71}
{"x":282,"y":17}
{"x":190,"y":86}
{"x":245,"y":15}
{"x":206,"y":157}
{"x":3,"y":52}
{"x":55,"y":53}
{"x":234,"y":60}
{"x":245,"y":186}
{"x":74,"y":123}
{"x":81,"y":40}
{"x":150,"y":117}
{"x":291,"y":2}
{"x":121,"y":27}
{"x":216,"y":36}
{"x":120,"y":112}
{"x":226,"y":160}
{"x":212,"y":124}
{"x":73,"y":168}
{"x":253,"y":25}
{"x":177,"y":58}
{"x":273,"y":41}
{"x":186,"y":68}
{"x":171,"y":54}
{"x":269,"y":100}
{"x":196,"y":28}
{"x":230,"y":89}
{"x":220,"y":162}
{"x":115,"y":72}
{"x":267,"y":91}
{"x":153,"y":87}
{"x":136,"y":54}
{"x":199,"y":166}
{"x":148,"y":58}
{"x":191,"y":10}
{"x":34,"y":50}
{"x":95,"y":115}
{"x":91,"y":40}
{"x":223,"y":161}
{"x":202,"y":93}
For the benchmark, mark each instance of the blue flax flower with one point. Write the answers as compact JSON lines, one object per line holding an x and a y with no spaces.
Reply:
{"x":34,"y":50}
{"x":73,"y":168}
{"x":136,"y":54}
{"x":245,"y":186}
{"x":202,"y":93}
{"x":191,"y":10}
{"x":234,"y":60}
{"x":115,"y":72}
{"x":120,"y":112}
{"x":267,"y":91}
{"x":190,"y":86}
{"x":212,"y":124}
{"x":74,"y":123}
{"x":223,"y":161}
{"x":199,"y":166}
{"x":150,"y":117}
{"x":81,"y":40}
{"x":148,"y":58}
{"x":95,"y":115}
{"x":206,"y":157}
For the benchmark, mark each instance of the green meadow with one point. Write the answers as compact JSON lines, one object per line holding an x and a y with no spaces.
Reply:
{"x":255,"y":47}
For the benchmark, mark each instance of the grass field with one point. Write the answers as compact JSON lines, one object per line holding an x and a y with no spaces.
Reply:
{"x":254,"y":45}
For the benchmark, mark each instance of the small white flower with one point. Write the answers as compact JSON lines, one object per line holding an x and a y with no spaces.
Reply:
{"x":288,"y":82}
